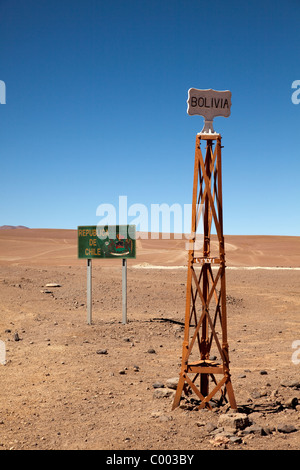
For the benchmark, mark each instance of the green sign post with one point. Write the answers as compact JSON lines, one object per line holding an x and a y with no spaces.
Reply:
{"x":106,"y":241}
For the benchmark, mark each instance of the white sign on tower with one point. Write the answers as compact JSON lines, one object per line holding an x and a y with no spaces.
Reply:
{"x":209,"y":104}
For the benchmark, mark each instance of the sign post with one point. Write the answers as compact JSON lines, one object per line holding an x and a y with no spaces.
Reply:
{"x":89,"y":291}
{"x":106,"y":242}
{"x":124,"y":291}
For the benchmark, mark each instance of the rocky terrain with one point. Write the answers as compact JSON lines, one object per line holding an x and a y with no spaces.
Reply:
{"x":69,"y":385}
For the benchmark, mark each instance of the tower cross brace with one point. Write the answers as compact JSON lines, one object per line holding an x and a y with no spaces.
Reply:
{"x":205,"y":355}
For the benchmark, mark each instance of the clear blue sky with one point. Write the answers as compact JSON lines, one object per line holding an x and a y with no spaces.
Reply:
{"x":96,"y":108}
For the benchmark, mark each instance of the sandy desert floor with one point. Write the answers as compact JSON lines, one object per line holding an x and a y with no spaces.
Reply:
{"x":70,"y":385}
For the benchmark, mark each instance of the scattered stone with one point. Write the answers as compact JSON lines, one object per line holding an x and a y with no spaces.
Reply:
{"x":151,"y":351}
{"x":255,"y":429}
{"x":224,"y":433}
{"x":234,"y":422}
{"x":162,"y":393}
{"x":122,"y":372}
{"x":158,"y":385}
{"x":220,"y":440}
{"x":292,"y":402}
{"x":52,"y":284}
{"x":263,"y":372}
{"x":155,"y":414}
{"x":286,"y":428}
{"x":136,"y":368}
{"x":165,"y":418}
{"x":242,"y":376}
{"x":216,"y":431}
{"x":172,"y":383}
{"x":199,"y":424}
{"x":290,"y":384}
{"x":16,"y":336}
{"x":235,"y":440}
{"x":256,"y":394}
{"x":101,"y":351}
{"x":209,"y":427}
{"x":267,"y":431}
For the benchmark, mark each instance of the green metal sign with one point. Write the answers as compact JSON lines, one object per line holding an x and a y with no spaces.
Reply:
{"x":106,"y":241}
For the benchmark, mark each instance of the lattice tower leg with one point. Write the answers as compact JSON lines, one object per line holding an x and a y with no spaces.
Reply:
{"x":205,"y":331}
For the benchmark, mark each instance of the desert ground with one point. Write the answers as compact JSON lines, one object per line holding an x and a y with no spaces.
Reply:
{"x":69,"y":385}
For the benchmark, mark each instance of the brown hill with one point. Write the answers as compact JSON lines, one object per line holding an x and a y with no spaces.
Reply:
{"x":59,"y":247}
{"x":12,"y":227}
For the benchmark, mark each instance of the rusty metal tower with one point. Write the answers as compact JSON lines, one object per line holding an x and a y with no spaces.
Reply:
{"x":205,"y":355}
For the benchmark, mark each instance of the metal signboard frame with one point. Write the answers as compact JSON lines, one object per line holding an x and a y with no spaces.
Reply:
{"x":106,"y":242}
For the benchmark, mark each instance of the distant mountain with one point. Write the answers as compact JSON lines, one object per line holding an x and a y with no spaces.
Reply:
{"x":10,"y":227}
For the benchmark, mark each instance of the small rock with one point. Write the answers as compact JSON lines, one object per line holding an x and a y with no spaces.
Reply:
{"x":216,"y":431}
{"x":256,"y":394}
{"x":291,"y":402}
{"x":151,"y":351}
{"x":255,"y":429}
{"x":210,"y":427}
{"x":290,"y":383}
{"x":165,"y":418}
{"x":16,"y":336}
{"x":52,"y":284}
{"x":286,"y":428}
{"x":158,"y":385}
{"x":267,"y":431}
{"x":234,"y":422}
{"x":162,"y":393}
{"x":101,"y":351}
{"x":263,"y":372}
{"x":199,"y":424}
{"x":155,"y":414}
{"x":172,"y":383}
{"x":228,"y":434}
{"x":220,"y":440}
